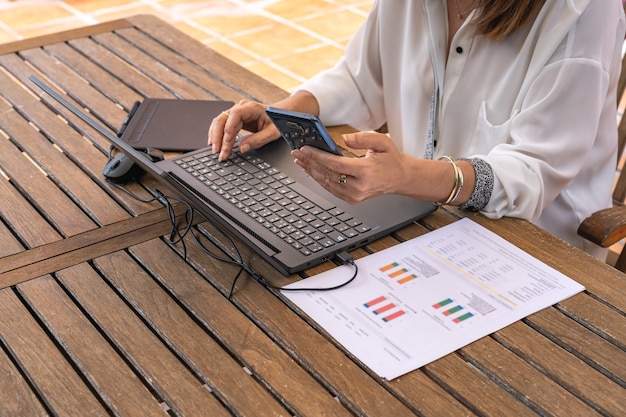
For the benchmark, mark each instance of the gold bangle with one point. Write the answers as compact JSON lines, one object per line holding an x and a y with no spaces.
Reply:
{"x":458,"y":181}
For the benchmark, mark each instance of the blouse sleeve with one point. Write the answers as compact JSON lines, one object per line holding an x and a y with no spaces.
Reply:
{"x":483,"y":186}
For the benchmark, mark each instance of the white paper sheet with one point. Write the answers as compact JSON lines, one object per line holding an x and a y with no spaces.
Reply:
{"x":422,"y":299}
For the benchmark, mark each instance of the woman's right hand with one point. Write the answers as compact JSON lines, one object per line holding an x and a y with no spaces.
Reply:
{"x":247,"y":115}
{"x":251,"y":116}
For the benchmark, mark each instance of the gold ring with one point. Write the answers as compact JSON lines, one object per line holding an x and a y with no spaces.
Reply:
{"x":342,"y":179}
{"x":226,"y":113}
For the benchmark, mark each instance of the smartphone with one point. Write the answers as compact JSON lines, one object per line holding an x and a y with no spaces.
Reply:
{"x":300,"y":129}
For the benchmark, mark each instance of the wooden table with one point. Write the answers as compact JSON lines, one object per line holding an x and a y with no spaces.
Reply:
{"x":100,"y":315}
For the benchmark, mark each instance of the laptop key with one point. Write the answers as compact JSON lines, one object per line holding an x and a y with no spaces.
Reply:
{"x":317,"y":200}
{"x":337,"y":236}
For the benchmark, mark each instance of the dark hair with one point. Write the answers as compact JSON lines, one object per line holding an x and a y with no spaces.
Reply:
{"x":497,"y":19}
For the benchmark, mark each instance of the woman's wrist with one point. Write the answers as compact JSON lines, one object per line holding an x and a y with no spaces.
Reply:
{"x":451,"y":183}
{"x":301,"y":101}
{"x":459,"y":180}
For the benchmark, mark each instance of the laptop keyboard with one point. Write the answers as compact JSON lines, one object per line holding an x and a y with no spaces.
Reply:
{"x":276,"y":201}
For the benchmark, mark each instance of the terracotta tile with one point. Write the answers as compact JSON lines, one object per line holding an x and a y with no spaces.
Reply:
{"x":51,"y":27}
{"x":31,"y":14}
{"x":336,"y":25}
{"x":7,"y":37}
{"x":278,"y":39}
{"x":310,"y":62}
{"x":194,"y":8}
{"x":293,"y":9}
{"x":365,"y":8}
{"x":232,"y":52}
{"x":263,"y":36}
{"x":90,"y":6}
{"x":354,"y":2}
{"x":228,"y":25}
{"x":279,"y":78}
{"x":130,"y":10}
{"x":195,"y":31}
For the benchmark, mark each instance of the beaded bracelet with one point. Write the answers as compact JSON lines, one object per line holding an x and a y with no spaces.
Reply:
{"x":458,"y":181}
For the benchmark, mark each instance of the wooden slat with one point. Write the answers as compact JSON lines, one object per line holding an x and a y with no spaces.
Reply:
{"x":167,"y":376}
{"x":56,"y":164}
{"x":9,"y":245}
{"x":27,"y":265}
{"x":217,"y":368}
{"x":19,"y":70}
{"x":34,"y":42}
{"x":473,"y":387}
{"x":75,"y":86}
{"x":17,"y":397}
{"x":599,"y":317}
{"x":582,"y":341}
{"x":59,"y":385}
{"x":564,"y":368}
{"x":170,"y":77}
{"x":24,"y":219}
{"x":543,"y":395}
{"x":95,"y":148}
{"x":115,"y":89}
{"x":123,"y":71}
{"x":118,"y":386}
{"x":211,"y":83}
{"x":57,"y":207}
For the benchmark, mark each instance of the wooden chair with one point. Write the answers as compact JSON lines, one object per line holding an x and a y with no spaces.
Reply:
{"x":607,"y":227}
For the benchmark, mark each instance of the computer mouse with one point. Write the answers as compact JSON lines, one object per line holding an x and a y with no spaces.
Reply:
{"x":121,"y":169}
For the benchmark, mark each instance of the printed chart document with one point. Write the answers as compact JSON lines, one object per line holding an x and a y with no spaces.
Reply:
{"x":422,"y":299}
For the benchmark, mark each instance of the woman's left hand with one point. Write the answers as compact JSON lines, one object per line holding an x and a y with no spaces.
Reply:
{"x":383,"y":169}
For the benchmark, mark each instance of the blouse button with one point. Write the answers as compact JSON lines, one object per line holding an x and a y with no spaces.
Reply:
{"x":459,"y":50}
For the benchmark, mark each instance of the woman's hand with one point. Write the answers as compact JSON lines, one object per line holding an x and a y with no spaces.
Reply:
{"x":247,"y":115}
{"x":383,"y":169}
{"x":251,"y":116}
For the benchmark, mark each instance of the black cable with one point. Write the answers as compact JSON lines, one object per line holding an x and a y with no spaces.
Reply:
{"x":343,"y":284}
{"x":177,"y":236}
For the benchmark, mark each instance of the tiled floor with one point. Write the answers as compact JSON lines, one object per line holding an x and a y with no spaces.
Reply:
{"x":285,"y":41}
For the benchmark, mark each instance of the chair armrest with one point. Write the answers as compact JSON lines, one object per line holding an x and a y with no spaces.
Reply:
{"x":605,"y":227}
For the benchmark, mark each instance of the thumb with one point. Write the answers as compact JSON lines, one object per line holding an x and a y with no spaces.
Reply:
{"x":258,"y":139}
{"x":373,"y":141}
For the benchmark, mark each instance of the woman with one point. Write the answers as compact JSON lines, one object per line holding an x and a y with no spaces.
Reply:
{"x":506,"y":107}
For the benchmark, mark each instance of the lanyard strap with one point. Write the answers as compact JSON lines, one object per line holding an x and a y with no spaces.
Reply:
{"x":430,"y":137}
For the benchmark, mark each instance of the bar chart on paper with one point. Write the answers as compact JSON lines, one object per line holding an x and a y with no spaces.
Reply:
{"x":449,"y":308}
{"x":383,"y":307}
{"x":398,"y":273}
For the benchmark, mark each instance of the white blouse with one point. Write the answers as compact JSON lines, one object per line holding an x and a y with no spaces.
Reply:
{"x":538,"y":107}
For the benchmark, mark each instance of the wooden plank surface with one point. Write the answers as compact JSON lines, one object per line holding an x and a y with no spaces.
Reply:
{"x":58,"y":385}
{"x":23,"y":266}
{"x":182,"y":330}
{"x":157,"y":365}
{"x":118,"y":386}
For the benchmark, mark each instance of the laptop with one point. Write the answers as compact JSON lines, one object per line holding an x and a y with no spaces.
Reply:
{"x":267,"y":201}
